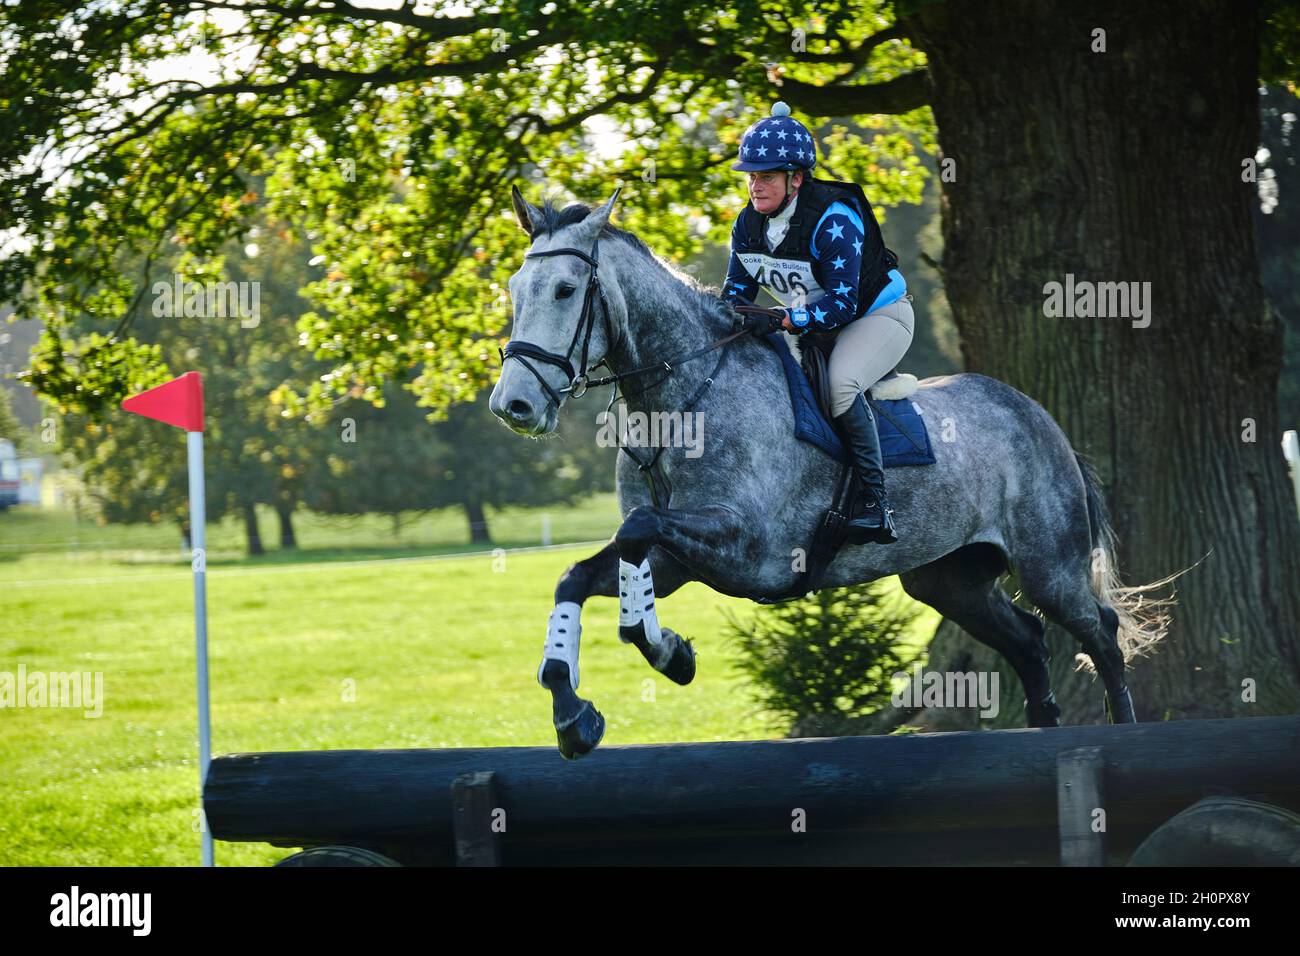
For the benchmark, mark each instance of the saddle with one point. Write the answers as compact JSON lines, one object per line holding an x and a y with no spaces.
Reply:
{"x":815,"y":354}
{"x":904,"y":439}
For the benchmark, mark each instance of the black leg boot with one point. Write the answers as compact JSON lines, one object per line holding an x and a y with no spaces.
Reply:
{"x":869,"y":521}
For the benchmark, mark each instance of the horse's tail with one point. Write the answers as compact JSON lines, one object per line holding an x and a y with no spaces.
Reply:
{"x":1143,"y":621}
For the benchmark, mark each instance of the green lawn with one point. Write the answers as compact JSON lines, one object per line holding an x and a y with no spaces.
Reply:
{"x":440,"y":652}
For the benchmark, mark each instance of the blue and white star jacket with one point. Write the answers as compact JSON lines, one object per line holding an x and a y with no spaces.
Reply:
{"x":831,"y":266}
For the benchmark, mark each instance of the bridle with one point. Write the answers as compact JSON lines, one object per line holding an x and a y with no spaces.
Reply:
{"x":579,"y":380}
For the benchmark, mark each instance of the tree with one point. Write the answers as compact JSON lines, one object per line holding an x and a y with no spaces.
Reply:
{"x":1277,"y":226}
{"x":393,"y":136}
{"x":1132,"y":170}
{"x":10,"y":427}
{"x":824,"y":664}
{"x":391,"y":460}
{"x":135,"y":469}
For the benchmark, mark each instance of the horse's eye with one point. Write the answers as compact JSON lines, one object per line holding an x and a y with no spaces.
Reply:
{"x":564,"y":291}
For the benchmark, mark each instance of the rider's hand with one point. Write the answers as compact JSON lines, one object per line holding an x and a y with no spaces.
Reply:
{"x":758,"y":320}
{"x":788,"y":323}
{"x":784,"y":314}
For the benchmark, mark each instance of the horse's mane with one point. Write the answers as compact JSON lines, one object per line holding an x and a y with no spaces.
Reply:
{"x":704,"y":296}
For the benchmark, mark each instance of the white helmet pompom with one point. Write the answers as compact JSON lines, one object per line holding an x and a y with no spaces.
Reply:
{"x":779,"y":108}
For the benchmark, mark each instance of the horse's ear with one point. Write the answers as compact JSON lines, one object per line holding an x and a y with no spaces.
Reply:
{"x":527,"y":214}
{"x":596,"y":221}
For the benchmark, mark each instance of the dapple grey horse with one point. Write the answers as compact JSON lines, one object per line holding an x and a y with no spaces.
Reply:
{"x":1007,"y":490}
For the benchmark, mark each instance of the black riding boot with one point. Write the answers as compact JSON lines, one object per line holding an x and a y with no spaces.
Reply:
{"x":869,"y":521}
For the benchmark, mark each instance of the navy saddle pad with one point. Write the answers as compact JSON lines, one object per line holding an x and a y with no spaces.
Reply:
{"x":903,"y":437}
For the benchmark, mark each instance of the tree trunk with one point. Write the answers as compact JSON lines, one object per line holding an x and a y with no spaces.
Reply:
{"x":1126,"y":166}
{"x":478,"y":526}
{"x":288,"y":541}
{"x":253,"y":535}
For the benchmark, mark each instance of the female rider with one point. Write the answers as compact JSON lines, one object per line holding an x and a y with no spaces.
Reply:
{"x":816,"y":247}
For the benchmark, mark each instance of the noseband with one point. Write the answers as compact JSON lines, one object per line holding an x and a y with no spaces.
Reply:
{"x":578,"y":381}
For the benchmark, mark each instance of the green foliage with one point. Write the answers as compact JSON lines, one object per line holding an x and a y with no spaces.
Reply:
{"x":95,"y":376}
{"x":134,"y":468}
{"x":1279,"y":41}
{"x":392,"y":460}
{"x":368,"y":453}
{"x":10,"y":427}
{"x":827,"y":660}
{"x":387,"y":141}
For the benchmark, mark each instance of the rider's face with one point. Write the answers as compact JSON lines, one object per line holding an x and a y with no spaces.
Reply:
{"x":767,"y":190}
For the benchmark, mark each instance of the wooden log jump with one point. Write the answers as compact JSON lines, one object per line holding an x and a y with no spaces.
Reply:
{"x":970,"y":797}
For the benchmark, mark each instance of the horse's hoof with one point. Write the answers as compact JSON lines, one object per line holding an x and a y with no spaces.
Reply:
{"x":1120,"y":709}
{"x":1045,"y":713}
{"x":581,"y":735}
{"x":681,"y":666}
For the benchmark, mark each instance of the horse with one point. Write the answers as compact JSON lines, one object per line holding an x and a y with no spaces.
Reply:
{"x":1007,"y":490}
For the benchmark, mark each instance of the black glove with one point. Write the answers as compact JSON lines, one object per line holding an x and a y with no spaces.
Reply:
{"x":762,"y":321}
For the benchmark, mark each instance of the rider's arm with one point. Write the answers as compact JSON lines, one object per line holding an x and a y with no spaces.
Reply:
{"x":740,"y":287}
{"x":837,"y":248}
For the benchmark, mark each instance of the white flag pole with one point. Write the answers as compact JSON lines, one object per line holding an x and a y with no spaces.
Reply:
{"x":199,"y":563}
{"x":180,"y":403}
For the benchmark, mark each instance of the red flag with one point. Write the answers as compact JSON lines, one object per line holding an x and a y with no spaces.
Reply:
{"x":178,"y":402}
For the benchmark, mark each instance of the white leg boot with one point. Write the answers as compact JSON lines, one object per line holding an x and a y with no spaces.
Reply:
{"x":563,"y":634}
{"x":636,"y":605}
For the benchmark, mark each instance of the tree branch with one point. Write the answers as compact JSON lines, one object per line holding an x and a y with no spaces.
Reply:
{"x":899,"y":95}
{"x":442,"y":28}
{"x":859,"y":54}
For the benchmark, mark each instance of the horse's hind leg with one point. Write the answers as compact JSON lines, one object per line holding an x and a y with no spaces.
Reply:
{"x":962,"y":586}
{"x":1063,"y":591}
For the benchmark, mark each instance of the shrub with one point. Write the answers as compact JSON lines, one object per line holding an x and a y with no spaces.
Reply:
{"x":823,"y":664}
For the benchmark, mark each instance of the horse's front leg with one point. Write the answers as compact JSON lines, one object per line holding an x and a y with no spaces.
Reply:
{"x":579,"y":727}
{"x":654,"y":552}
{"x":662,"y":548}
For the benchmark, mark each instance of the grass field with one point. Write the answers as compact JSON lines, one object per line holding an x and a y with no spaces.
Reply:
{"x":308,"y":651}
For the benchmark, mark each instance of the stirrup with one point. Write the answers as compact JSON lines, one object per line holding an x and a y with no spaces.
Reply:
{"x":859,"y":529}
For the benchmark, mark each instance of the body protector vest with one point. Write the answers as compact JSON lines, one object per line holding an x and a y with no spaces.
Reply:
{"x":787,"y":271}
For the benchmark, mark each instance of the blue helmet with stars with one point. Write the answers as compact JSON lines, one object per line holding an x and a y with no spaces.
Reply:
{"x":778,"y":141}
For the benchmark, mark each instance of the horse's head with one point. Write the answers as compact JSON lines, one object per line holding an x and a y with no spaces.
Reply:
{"x":561,"y":323}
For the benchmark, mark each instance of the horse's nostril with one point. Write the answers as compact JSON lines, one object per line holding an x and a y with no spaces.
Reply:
{"x":519,"y":409}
